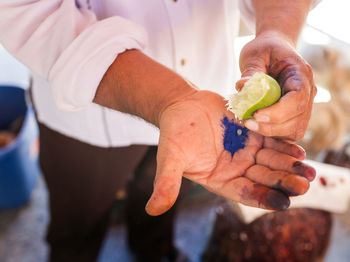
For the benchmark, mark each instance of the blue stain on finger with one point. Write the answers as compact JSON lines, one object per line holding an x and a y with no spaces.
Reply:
{"x":234,"y":135}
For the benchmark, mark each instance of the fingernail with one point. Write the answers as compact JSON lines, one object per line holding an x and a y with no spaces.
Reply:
{"x":252,"y":125}
{"x":155,"y":210}
{"x":245,"y":77}
{"x":297,"y":164}
{"x":304,"y":170}
{"x":301,"y":153}
{"x":294,"y":185}
{"x":277,"y":201}
{"x":240,"y":83}
{"x":262,"y":118}
{"x":147,"y":206}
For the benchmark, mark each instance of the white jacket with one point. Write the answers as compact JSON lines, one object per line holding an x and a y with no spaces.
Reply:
{"x":69,"y":45}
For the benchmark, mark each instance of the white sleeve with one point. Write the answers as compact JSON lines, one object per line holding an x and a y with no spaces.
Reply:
{"x":247,"y":10}
{"x":66,"y":45}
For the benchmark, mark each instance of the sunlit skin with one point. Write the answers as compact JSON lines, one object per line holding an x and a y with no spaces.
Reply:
{"x":262,"y":174}
{"x":278,"y":26}
{"x":267,"y":171}
{"x":274,"y":55}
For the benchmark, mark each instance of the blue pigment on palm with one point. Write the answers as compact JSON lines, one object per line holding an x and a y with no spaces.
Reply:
{"x":234,"y":135}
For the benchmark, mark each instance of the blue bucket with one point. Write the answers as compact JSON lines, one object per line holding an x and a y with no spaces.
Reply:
{"x":19,"y":168}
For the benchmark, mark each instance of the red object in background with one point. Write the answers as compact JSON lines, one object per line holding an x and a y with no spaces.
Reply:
{"x":294,"y":235}
{"x":323,"y":181}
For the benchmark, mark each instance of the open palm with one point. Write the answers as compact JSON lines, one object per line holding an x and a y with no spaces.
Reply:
{"x":262,"y":174}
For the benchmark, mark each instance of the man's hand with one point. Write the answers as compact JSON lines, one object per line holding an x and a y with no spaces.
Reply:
{"x":278,"y":26}
{"x":263,"y":174}
{"x":275,"y":55}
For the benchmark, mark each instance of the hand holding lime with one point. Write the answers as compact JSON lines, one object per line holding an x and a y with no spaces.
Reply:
{"x":260,"y":91}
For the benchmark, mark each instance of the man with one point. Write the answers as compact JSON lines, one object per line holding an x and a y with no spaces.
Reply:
{"x":86,"y":57}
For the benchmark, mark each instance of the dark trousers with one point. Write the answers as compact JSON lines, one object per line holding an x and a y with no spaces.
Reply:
{"x":82,"y":181}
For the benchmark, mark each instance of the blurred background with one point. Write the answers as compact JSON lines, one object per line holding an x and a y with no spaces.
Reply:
{"x":325,"y":44}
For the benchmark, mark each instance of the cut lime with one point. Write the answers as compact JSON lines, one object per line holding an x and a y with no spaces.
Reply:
{"x":259,"y":91}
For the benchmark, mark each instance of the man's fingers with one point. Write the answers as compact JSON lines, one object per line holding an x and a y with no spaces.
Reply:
{"x":240,"y":83}
{"x":284,"y":147}
{"x":249,"y":67}
{"x":292,"y":129}
{"x":226,"y":180}
{"x":290,"y":184}
{"x":166,"y":186}
{"x":288,"y":107}
{"x":296,"y":102}
{"x":278,"y":161}
{"x":252,"y":194}
{"x":288,"y":117}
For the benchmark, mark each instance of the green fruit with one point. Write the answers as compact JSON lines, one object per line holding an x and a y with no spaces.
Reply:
{"x":259,"y":91}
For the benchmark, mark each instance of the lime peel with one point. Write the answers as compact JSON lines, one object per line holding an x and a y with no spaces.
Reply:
{"x":260,"y":91}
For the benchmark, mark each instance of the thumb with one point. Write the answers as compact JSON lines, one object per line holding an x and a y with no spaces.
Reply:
{"x":166,"y":186}
{"x":248,"y":68}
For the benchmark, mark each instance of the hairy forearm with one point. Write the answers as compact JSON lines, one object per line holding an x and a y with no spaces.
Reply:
{"x":284,"y":17}
{"x":140,"y":86}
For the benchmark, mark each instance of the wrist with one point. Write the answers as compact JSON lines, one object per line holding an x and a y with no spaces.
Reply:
{"x":177,"y":91}
{"x":277,"y":34}
{"x":284,"y":17}
{"x":137,"y":85}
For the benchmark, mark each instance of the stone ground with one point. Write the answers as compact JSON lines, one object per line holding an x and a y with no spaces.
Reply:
{"x":22,"y":232}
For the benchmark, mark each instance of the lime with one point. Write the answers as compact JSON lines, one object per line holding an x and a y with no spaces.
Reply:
{"x":259,"y":91}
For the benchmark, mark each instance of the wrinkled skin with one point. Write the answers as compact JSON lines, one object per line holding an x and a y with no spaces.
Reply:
{"x":263,"y":174}
{"x":275,"y":55}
